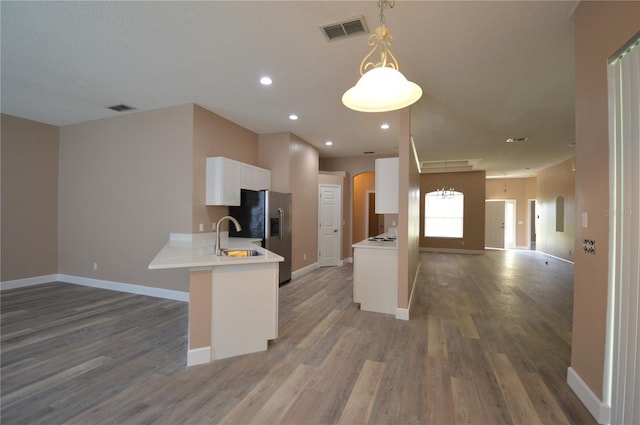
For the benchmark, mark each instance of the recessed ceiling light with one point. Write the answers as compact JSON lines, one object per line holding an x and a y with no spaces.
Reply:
{"x":293,"y":117}
{"x":265,"y":81}
{"x":384,"y":126}
{"x":328,"y":143}
{"x":517,"y":139}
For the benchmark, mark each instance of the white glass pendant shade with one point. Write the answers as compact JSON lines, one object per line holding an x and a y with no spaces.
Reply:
{"x":381,"y":89}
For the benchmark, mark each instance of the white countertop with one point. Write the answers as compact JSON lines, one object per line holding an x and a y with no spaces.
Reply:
{"x":377,"y":244}
{"x":187,"y":251}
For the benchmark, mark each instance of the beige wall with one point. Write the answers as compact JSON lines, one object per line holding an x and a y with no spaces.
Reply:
{"x":600,"y":29}
{"x":334,"y":178}
{"x":304,"y":187}
{"x":29,"y":198}
{"x":216,"y":136}
{"x":125,"y":184}
{"x":353,"y":165}
{"x":520,"y":190}
{"x":273,"y":154}
{"x":294,"y":169}
{"x":200,"y":306}
{"x":472,"y":184}
{"x":554,"y":182}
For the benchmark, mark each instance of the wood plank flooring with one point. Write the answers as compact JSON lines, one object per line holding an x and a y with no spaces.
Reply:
{"x":488,"y":343}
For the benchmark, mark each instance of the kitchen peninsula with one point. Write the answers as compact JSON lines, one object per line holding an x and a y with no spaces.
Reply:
{"x":233,"y":301}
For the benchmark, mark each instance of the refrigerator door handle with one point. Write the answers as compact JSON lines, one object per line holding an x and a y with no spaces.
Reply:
{"x":280,"y":228}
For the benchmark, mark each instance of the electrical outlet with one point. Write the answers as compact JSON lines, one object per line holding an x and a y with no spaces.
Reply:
{"x":95,"y":267}
{"x":589,"y":246}
{"x":201,"y":227}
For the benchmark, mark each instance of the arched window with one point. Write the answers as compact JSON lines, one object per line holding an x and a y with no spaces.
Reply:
{"x":444,"y":214}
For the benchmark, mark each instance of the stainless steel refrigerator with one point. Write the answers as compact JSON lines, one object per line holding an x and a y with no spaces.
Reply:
{"x":266,"y":215}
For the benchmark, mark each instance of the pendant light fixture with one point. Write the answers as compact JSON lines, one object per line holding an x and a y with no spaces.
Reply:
{"x":446,"y":193}
{"x":381,"y":87}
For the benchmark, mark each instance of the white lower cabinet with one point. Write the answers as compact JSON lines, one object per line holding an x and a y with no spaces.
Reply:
{"x":375,"y":279}
{"x":244,"y":309}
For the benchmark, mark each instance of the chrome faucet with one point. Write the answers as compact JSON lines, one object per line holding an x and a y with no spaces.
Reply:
{"x":216,"y":248}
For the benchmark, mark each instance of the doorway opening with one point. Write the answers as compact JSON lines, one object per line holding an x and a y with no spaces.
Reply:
{"x":375,"y":222}
{"x":533,"y":223}
{"x":500,"y":224}
{"x":363,"y":183}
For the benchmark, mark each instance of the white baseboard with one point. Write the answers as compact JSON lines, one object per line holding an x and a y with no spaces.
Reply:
{"x":301,"y":272}
{"x":402,"y":313}
{"x":557,"y":258}
{"x":453,"y":251}
{"x":29,"y":281}
{"x":405,"y":313}
{"x":198,"y":356}
{"x":149,"y":291}
{"x":599,"y":410}
{"x":168,"y":294}
{"x":348,"y":260}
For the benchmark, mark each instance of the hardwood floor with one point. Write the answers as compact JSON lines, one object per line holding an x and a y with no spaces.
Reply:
{"x":488,"y":343}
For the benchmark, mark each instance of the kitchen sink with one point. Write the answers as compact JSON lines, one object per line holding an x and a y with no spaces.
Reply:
{"x":240,"y":252}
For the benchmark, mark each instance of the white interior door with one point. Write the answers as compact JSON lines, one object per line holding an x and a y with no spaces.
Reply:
{"x":329,"y":234}
{"x":510,"y":223}
{"x":494,"y":224}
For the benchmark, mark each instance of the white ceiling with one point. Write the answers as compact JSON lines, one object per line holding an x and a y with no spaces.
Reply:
{"x":488,"y":70}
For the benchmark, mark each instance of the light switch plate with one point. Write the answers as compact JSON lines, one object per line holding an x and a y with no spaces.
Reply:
{"x":585,"y":218}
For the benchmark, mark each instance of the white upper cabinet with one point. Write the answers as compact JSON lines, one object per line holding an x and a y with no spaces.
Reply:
{"x":223,"y":181}
{"x":254,"y":178}
{"x":225,"y":178}
{"x":387,"y":185}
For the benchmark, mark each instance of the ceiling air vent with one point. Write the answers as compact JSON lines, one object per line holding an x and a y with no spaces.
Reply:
{"x":348,"y":28}
{"x":517,"y":139}
{"x":121,"y":108}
